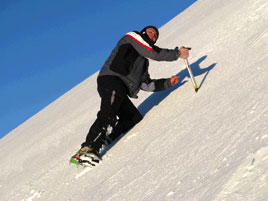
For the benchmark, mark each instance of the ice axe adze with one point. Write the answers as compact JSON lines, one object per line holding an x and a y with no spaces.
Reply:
{"x":190,"y":72}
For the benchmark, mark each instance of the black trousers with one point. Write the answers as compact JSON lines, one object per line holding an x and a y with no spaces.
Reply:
{"x":116,"y":110}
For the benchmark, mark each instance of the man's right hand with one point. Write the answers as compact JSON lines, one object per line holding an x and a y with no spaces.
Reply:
{"x":184,"y":52}
{"x":174,"y":80}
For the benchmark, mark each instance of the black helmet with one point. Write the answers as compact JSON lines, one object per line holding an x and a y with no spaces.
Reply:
{"x":144,"y":29}
{"x":145,"y":36}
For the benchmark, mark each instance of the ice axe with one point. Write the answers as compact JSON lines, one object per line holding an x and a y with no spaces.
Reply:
{"x":190,"y":72}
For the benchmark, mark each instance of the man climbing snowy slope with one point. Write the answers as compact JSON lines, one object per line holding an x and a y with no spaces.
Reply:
{"x":124,"y":73}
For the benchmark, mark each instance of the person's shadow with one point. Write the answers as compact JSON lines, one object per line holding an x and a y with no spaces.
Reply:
{"x":157,"y":97}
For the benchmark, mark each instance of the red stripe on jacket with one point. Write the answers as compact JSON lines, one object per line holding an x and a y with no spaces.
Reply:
{"x":146,"y":46}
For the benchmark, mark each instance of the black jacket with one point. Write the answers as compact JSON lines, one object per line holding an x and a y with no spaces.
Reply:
{"x":129,"y":62}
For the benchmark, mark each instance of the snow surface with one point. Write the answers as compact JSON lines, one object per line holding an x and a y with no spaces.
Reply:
{"x":209,"y":146}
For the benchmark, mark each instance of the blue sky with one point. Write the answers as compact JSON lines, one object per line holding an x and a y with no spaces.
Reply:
{"x":48,"y":47}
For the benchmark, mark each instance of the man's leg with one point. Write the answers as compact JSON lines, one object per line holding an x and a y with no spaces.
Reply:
{"x":128,"y":115}
{"x":110,"y":104}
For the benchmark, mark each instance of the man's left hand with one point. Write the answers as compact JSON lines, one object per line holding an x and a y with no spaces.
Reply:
{"x":174,"y":80}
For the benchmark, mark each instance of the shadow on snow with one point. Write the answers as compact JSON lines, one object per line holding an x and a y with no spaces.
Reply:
{"x":157,"y":97}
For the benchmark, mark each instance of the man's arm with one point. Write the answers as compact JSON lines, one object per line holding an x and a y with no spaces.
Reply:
{"x":144,"y":49}
{"x":155,"y":85}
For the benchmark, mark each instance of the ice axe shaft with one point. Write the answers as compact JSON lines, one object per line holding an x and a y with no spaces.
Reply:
{"x":191,"y":73}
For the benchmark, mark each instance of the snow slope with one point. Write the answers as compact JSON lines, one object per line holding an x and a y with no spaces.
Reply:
{"x":209,"y":146}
